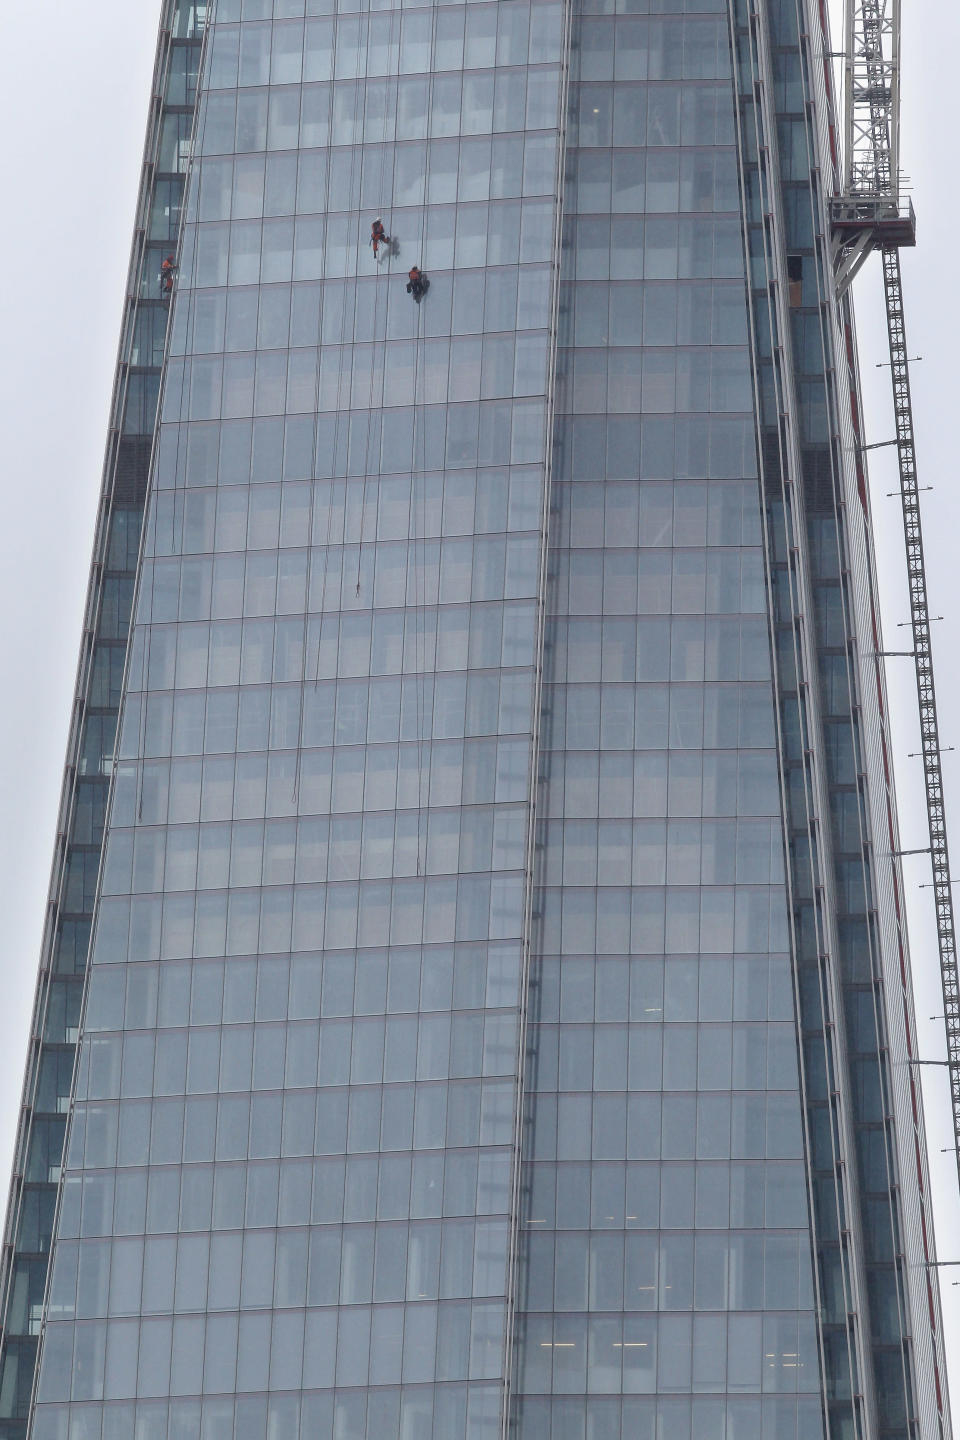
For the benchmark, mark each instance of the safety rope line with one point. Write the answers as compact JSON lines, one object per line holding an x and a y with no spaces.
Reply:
{"x":355,"y":154}
{"x":414,"y":525}
{"x":366,"y":448}
{"x":311,"y":508}
{"x":419,"y":616}
{"x":201,"y":112}
{"x":312,"y":498}
{"x":376,"y":311}
{"x":418,"y":472}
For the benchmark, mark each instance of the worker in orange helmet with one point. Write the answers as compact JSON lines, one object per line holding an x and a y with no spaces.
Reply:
{"x":417,"y":283}
{"x":378,"y":237}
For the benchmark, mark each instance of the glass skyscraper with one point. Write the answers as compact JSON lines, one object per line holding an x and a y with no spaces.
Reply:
{"x":475,"y":1000}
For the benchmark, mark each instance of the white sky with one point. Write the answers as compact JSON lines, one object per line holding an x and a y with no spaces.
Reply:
{"x":73,"y":130}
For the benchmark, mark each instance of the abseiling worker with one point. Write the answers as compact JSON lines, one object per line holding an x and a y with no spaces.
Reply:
{"x":417,"y":283}
{"x":378,"y":237}
{"x":167,"y":269}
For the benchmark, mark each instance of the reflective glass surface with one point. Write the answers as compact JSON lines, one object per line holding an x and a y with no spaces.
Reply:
{"x":38,"y":1160}
{"x":290,"y":1172}
{"x":666,"y":1262}
{"x":454,"y":1060}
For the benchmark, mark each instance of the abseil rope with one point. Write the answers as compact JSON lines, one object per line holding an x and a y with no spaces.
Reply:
{"x":201,"y":113}
{"x":376,"y":311}
{"x":419,"y":471}
{"x":355,"y":153}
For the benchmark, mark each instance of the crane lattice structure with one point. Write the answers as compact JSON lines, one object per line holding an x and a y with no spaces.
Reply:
{"x":868,"y":216}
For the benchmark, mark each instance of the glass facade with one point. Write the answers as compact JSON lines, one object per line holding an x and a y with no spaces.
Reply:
{"x":55,"y":1025}
{"x":486,"y":1029}
{"x":666,"y":1257}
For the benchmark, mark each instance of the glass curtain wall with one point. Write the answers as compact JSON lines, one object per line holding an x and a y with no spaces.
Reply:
{"x":439,"y":1072}
{"x":270,"y":1225}
{"x":45,"y":1101}
{"x":666,"y":1249}
{"x":832,"y":558}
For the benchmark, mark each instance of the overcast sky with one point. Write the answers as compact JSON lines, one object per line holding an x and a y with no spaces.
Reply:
{"x":74,"y":85}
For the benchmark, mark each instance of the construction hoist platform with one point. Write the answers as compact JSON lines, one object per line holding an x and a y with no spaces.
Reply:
{"x":867,"y":216}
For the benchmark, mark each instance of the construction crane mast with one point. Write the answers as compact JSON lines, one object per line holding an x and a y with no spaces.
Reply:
{"x":872,"y":97}
{"x":868,"y":216}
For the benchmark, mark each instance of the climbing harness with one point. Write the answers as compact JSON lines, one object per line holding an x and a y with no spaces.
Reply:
{"x":417,"y":284}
